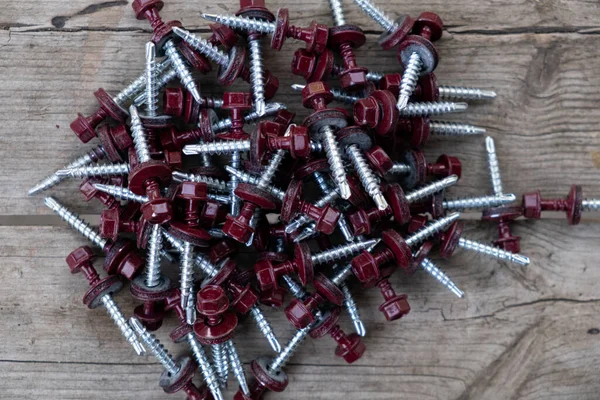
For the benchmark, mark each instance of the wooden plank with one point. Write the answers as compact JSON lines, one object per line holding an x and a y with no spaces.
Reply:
{"x":540,"y":321}
{"x":461,"y":15}
{"x":543,"y":119}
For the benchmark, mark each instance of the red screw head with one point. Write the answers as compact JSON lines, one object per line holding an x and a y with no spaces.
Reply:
{"x":79,"y":258}
{"x":429,"y":25}
{"x":532,"y":205}
{"x":395,"y":308}
{"x":352,"y":349}
{"x":109,"y":223}
{"x":212,"y":301}
{"x":367,"y":112}
{"x":365,"y":267}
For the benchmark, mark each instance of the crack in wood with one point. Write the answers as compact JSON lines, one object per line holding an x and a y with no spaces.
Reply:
{"x":60,"y":20}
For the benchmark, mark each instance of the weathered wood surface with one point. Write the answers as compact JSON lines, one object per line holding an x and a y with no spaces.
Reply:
{"x":520,"y":333}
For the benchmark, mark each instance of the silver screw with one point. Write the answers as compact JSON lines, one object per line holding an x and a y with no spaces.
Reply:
{"x":430,"y":189}
{"x":151,"y":76}
{"x":94,"y":155}
{"x":155,"y":244}
{"x":236,"y":203}
{"x":212,"y":183}
{"x":432,"y":108}
{"x":441,"y":277}
{"x":409,"y":80}
{"x":465,"y":93}
{"x":400,"y":168}
{"x":295,"y":288}
{"x":352,"y":308}
{"x":87,"y":171}
{"x":155,"y":346}
{"x":121,"y":193}
{"x":220,"y":147}
{"x":236,"y":366}
{"x":271,"y":109}
{"x":75,"y":222}
{"x":187,"y":278}
{"x":447,"y":128}
{"x":290,"y":348}
{"x":334,"y":158}
{"x":338,"y":95}
{"x":493,"y":252}
{"x":138,"y":135}
{"x":162,"y":80}
{"x":338,"y":12}
{"x":590,"y":205}
{"x":119,"y":319}
{"x":469,"y":203}
{"x":494,"y":168}
{"x":368,"y":179}
{"x":219,"y":355}
{"x":203,"y":46}
{"x":208,"y":372}
{"x":253,"y":180}
{"x":377,"y":14}
{"x":182,"y":70}
{"x":342,"y":251}
{"x":242,"y":23}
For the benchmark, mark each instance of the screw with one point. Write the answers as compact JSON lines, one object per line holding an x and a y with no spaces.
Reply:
{"x":350,"y":305}
{"x":253,"y":180}
{"x":158,"y":209}
{"x":219,"y":355}
{"x":431,"y":108}
{"x":493,"y":166}
{"x":271,"y":109}
{"x":394,"y":31}
{"x":178,"y":373}
{"x":316,"y":95}
{"x":231,"y":65}
{"x":212,"y":183}
{"x":315,"y":35}
{"x":437,"y":273}
{"x":94,"y":155}
{"x":121,"y":193}
{"x":346,"y":38}
{"x":187,"y":279}
{"x":84,"y":127}
{"x":467,"y":203}
{"x":162,"y":69}
{"x":236,"y":366}
{"x":151,"y":76}
{"x":163,"y":77}
{"x":573,"y":205}
{"x":338,"y":95}
{"x":100,"y":292}
{"x":465,"y":93}
{"x":94,"y":170}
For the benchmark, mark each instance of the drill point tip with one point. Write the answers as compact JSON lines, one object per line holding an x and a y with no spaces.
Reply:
{"x":477,"y":130}
{"x":488,"y":94}
{"x":274,"y":343}
{"x":461,"y":107}
{"x":359,"y":328}
{"x":345,"y":191}
{"x":182,"y":33}
{"x":489,"y":144}
{"x":51,"y":202}
{"x":63,"y":172}
{"x":133,"y":111}
{"x":450,"y":180}
{"x":136,"y":325}
{"x":139,"y":348}
{"x":189,"y":150}
{"x":521,"y":259}
{"x":209,"y":17}
{"x":380,"y":201}
{"x":195,"y":93}
{"x":507,"y":198}
{"x":150,"y":51}
{"x":297,"y":87}
{"x":260,"y":108}
{"x":402,"y":102}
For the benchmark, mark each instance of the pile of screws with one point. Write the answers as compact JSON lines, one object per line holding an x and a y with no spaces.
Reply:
{"x":389,"y":205}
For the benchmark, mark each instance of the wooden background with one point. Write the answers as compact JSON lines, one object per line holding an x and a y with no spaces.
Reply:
{"x":520,"y":333}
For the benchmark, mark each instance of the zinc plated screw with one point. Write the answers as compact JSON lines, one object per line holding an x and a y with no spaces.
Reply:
{"x":494,"y":168}
{"x":80,"y":260}
{"x":424,"y":109}
{"x":212,"y":183}
{"x":220,"y":356}
{"x":187,"y":281}
{"x":94,"y":170}
{"x":493,"y":252}
{"x":271,"y":109}
{"x":236,"y":365}
{"x":468,"y":203}
{"x":121,"y":193}
{"x":394,"y":31}
{"x":211,"y":270}
{"x":94,"y":155}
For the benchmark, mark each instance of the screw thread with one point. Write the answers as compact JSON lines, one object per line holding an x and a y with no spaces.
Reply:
{"x":236,"y":366}
{"x":243,"y":23}
{"x":76,"y":222}
{"x":203,"y":46}
{"x":494,"y":168}
{"x":219,"y":198}
{"x":252,"y":117}
{"x":265,"y":327}
{"x":182,"y":70}
{"x":368,"y":179}
{"x":431,"y":229}
{"x":114,"y":312}
{"x":253,"y":180}
{"x":441,"y":277}
{"x":431,"y":188}
{"x":493,"y":252}
{"x":295,"y":288}
{"x":299,"y":221}
{"x":257,"y":78}
{"x":87,"y":171}
{"x":400,"y":168}
{"x":138,"y":135}
{"x":212,"y":183}
{"x":591,"y":205}
{"x":155,"y":245}
{"x":200,"y":261}
{"x":121,"y":193}
{"x":205,"y":160}
{"x":352,"y":309}
{"x":446,"y":128}
{"x":374,"y":76}
{"x":469,"y":203}
{"x":269,"y":172}
{"x":345,"y":228}
{"x":208,"y":372}
{"x":343,"y":97}
{"x":327,"y":199}
{"x":187,"y":274}
{"x":95,"y":154}
{"x":137,"y":85}
{"x":157,"y":348}
{"x":338,"y":12}
{"x":377,"y":14}
{"x":236,"y":204}
{"x":342,"y":275}
{"x":219,"y":355}
{"x":221,"y":147}
{"x":336,"y":165}
{"x":409,"y":80}
{"x":161,"y":81}
{"x":288,"y":351}
{"x":308,"y":232}
{"x":343,"y":251}
{"x":431,"y":108}
{"x":465,"y":93}
{"x":151,"y":76}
